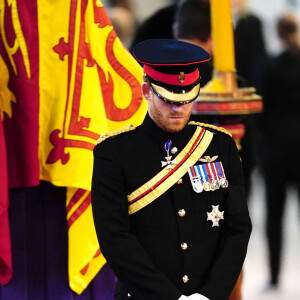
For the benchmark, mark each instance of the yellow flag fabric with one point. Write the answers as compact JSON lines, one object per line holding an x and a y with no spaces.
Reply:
{"x":89,"y":84}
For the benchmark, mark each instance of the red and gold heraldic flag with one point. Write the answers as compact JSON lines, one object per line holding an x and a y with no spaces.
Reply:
{"x":71,"y":80}
{"x":5,"y":248}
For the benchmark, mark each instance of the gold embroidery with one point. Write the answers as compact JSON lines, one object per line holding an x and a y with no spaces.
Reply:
{"x":176,"y":97}
{"x":221,"y":129}
{"x":107,"y":135}
{"x":6,"y":95}
{"x":20,"y":41}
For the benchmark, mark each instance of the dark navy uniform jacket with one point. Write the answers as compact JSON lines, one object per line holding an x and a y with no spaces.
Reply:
{"x":144,"y":249}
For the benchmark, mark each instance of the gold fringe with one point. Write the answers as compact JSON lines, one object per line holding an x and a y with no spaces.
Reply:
{"x":107,"y":135}
{"x":221,"y":129}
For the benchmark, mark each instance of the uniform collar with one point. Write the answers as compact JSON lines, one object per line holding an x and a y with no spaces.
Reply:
{"x":156,"y":132}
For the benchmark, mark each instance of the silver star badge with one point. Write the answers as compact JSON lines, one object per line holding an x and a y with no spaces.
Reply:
{"x":215,"y":215}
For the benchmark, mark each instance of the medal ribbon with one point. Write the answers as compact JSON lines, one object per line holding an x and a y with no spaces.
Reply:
{"x":192,"y":173}
{"x":208,"y":172}
{"x":216,"y":171}
{"x":211,"y":172}
{"x":204,"y":174}
{"x":220,"y":169}
{"x":168,"y":145}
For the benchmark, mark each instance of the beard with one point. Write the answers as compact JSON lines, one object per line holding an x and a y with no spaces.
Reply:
{"x":170,"y":121}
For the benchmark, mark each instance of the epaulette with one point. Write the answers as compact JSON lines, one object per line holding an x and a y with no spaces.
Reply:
{"x":221,"y":129}
{"x":107,"y":135}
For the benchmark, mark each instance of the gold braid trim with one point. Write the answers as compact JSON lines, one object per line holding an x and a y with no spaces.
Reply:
{"x":107,"y":135}
{"x":172,"y":179}
{"x":221,"y":129}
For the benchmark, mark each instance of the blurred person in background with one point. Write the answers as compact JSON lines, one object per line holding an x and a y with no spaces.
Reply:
{"x":281,"y":136}
{"x":121,"y":16}
{"x":250,"y":52}
{"x":158,"y":25}
{"x":192,"y":23}
{"x":251,"y":59}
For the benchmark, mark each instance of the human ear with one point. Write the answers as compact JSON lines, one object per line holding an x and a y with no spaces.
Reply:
{"x":146,"y":90}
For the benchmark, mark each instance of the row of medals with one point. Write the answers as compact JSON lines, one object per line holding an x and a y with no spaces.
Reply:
{"x":207,"y":186}
{"x":214,"y":184}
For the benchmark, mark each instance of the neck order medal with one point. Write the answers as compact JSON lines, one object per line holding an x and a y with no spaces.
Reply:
{"x":169,"y":162}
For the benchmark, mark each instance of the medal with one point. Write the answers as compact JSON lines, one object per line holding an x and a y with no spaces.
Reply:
{"x":195,"y":179}
{"x":169,"y":162}
{"x":215,"y":215}
{"x":205,"y":177}
{"x":223,"y":181}
{"x":215,"y":182}
{"x":206,"y":186}
{"x":199,"y":178}
{"x":215,"y":185}
{"x":216,"y":175}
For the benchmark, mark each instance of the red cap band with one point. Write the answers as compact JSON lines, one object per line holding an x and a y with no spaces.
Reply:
{"x":181,"y":79}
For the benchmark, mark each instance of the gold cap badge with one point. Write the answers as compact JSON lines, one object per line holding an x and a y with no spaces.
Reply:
{"x":181,"y":77}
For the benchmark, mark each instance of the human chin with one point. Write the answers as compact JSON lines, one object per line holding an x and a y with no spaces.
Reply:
{"x":175,"y":125}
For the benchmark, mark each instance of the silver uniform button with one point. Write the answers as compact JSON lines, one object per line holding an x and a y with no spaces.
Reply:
{"x":185,"y":279}
{"x":174,"y":150}
{"x":128,"y":295}
{"x":179,"y":181}
{"x":184,"y":246}
{"x":181,"y":213}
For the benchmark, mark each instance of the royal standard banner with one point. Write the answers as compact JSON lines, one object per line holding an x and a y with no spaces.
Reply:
{"x":88,"y":84}
{"x":18,"y":115}
{"x":5,"y":248}
{"x":19,"y":72}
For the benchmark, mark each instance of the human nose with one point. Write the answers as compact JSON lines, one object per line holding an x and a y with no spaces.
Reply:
{"x":175,"y":108}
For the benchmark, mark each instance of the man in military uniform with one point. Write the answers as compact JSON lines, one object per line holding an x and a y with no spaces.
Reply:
{"x":167,"y":197}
